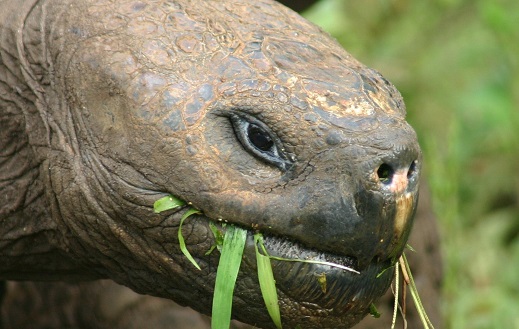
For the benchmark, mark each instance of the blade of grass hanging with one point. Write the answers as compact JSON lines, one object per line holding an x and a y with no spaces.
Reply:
{"x":267,"y":282}
{"x":414,"y":293}
{"x":384,"y":270}
{"x":167,"y":203}
{"x":181,"y":241}
{"x":226,"y":274}
{"x":395,"y":306}
{"x":408,"y":246}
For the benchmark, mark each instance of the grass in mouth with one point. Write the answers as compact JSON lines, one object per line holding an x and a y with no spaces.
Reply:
{"x":231,"y":246}
{"x":403,"y":267}
{"x":170,"y":202}
{"x":267,"y":282}
{"x":226,"y":274}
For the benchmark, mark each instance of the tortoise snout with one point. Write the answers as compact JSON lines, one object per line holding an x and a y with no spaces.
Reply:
{"x":397,"y":171}
{"x":396,"y":177}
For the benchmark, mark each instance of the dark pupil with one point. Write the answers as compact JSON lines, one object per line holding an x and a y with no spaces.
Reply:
{"x":259,"y":138}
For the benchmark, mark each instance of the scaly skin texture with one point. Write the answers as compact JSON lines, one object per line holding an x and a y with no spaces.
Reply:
{"x":102,"y":304}
{"x":107,"y":106}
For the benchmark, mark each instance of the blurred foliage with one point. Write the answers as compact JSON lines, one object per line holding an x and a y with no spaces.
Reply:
{"x":456,"y":62}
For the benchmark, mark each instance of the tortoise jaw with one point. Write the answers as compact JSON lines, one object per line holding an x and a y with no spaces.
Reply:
{"x":316,"y":295}
{"x":341,"y":301}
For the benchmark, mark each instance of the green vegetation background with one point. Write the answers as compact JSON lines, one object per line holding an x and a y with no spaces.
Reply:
{"x":456,"y":62}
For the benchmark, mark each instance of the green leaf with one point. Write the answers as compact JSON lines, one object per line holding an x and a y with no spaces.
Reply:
{"x":373,"y":311}
{"x":408,"y":246}
{"x":321,"y":279}
{"x":181,"y":241}
{"x":218,"y":237}
{"x":210,"y":251}
{"x":384,"y":271}
{"x":167,"y":203}
{"x":226,"y":274}
{"x":267,"y":282}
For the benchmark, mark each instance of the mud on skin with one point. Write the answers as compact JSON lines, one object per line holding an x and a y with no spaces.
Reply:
{"x":244,"y":109}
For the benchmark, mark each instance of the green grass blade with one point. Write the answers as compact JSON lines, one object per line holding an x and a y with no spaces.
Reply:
{"x":267,"y":282}
{"x":384,"y":270}
{"x":408,"y":246}
{"x":373,"y":311}
{"x":181,"y":241}
{"x":167,"y":203}
{"x":228,"y":268}
{"x":416,"y":298}
{"x":218,"y":235}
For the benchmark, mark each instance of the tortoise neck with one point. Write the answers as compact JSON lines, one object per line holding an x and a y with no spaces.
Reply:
{"x":30,"y":242}
{"x":30,"y":248}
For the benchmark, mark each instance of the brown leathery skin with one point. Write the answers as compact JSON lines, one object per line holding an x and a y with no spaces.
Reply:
{"x":125,"y":101}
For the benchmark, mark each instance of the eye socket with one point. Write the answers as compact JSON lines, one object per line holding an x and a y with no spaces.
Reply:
{"x":258,"y":140}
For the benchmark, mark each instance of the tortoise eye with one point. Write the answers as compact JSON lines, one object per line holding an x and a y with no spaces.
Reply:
{"x":257,"y":139}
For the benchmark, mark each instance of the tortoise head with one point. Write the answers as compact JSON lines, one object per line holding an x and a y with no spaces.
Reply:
{"x":258,"y":119}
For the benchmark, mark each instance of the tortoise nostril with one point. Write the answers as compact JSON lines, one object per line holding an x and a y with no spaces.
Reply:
{"x":412,"y":169}
{"x":385,"y":173}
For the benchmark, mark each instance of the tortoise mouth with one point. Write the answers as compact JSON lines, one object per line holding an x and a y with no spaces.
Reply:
{"x":304,"y":280}
{"x":341,"y":301}
{"x":314,"y":292}
{"x":287,"y":248}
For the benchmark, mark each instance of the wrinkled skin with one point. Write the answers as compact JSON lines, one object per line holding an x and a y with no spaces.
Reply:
{"x":103,"y":304}
{"x":245,"y":110}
